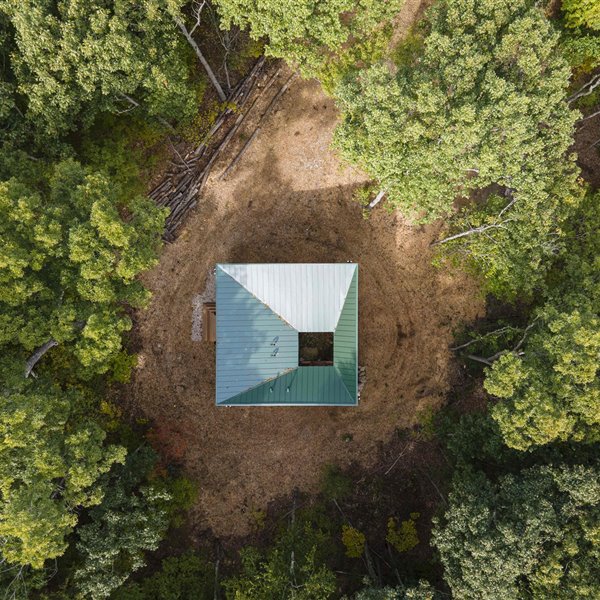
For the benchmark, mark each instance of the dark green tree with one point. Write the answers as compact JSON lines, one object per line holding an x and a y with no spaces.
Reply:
{"x":131,"y":520}
{"x":188,"y":576}
{"x":533,"y":534}
{"x":423,"y":591}
{"x":293,"y":568}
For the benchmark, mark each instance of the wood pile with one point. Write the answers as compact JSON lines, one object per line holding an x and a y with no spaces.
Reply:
{"x":181,"y":187}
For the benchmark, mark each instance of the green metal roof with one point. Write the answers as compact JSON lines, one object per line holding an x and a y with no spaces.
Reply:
{"x":261,"y":309}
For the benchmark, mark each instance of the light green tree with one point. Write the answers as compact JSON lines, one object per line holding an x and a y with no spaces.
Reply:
{"x":422,"y":591}
{"x":581,"y":13}
{"x":533,"y":534}
{"x":293,"y":568}
{"x":581,"y":40}
{"x":75,"y":58}
{"x":549,"y":389}
{"x":307,"y":32}
{"x":52,"y":455}
{"x":69,"y":261}
{"x":477,"y":111}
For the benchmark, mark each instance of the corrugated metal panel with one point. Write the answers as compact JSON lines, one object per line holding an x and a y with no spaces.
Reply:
{"x":309,"y":297}
{"x":321,"y":386}
{"x":345,"y":339}
{"x":253,"y":343}
{"x":257,"y":350}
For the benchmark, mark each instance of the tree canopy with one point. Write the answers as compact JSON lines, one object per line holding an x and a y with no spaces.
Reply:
{"x":479,"y":106}
{"x":131,"y":520}
{"x":528,"y":534}
{"x":74,"y":59}
{"x":293,"y":568}
{"x":52,"y":457}
{"x":550,"y":390}
{"x":69,"y":262}
{"x":307,"y":32}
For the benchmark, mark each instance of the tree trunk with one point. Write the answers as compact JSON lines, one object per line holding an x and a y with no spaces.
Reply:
{"x":136,"y":104}
{"x":469,"y":232}
{"x":37,"y":355}
{"x":203,"y":60}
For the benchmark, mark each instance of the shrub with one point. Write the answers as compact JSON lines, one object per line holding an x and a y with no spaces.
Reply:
{"x":404,"y":538}
{"x":354,"y":541}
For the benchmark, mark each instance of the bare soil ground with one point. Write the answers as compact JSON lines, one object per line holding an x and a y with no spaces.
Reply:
{"x":289,"y":200}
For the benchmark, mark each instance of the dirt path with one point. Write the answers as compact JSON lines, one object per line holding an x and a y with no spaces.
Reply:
{"x":289,"y":200}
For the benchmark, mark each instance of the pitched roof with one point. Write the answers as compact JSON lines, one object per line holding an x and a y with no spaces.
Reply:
{"x":309,"y":297}
{"x":261,"y":309}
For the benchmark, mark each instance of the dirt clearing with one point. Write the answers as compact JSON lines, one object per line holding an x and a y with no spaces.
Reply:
{"x":289,"y":200}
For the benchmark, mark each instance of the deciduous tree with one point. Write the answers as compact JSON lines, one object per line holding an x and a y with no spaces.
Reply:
{"x":307,"y":32}
{"x":75,"y":59}
{"x":130,"y":521}
{"x":532,"y":534}
{"x":293,"y":568}
{"x":480,"y":107}
{"x":550,"y":389}
{"x":69,"y":261}
{"x":52,"y":455}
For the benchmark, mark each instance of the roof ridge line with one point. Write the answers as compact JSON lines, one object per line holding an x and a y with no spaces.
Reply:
{"x":337,"y":323}
{"x":337,"y":372}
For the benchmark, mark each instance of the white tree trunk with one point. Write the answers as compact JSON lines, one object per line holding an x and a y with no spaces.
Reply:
{"x":209,"y":71}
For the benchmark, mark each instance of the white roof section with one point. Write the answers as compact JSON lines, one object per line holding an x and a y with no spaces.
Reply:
{"x":309,"y":297}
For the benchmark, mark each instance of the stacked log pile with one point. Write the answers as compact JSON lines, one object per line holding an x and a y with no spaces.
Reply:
{"x":181,"y":187}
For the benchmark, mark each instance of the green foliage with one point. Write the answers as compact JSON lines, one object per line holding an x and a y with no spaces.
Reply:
{"x":188,"y":576}
{"x":52,"y":456}
{"x":358,"y":55}
{"x":311,"y":33}
{"x":405,"y":537}
{"x":582,"y":13}
{"x":475,"y":440}
{"x":184,"y":493}
{"x":122,"y":366}
{"x":354,"y":541}
{"x":481,"y":109}
{"x":70,"y":261}
{"x":76,"y":59}
{"x":528,"y":534}
{"x":335,"y":485}
{"x":423,"y":591}
{"x":582,"y":50}
{"x":581,"y":40}
{"x":20,"y":583}
{"x":410,"y":48}
{"x":123,"y":149}
{"x":550,"y":389}
{"x":552,"y":392}
{"x":293,"y":568}
{"x":131,"y":520}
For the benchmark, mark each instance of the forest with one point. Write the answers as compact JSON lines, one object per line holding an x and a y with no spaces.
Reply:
{"x":450,"y":147}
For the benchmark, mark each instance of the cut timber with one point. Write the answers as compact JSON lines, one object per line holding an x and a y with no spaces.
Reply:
{"x":265,"y":114}
{"x":209,"y":322}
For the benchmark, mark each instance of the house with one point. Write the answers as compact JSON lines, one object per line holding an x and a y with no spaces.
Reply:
{"x":287,"y":334}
